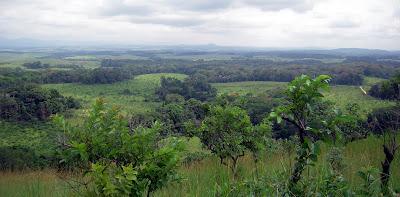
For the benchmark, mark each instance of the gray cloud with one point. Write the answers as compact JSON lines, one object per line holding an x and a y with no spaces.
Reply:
{"x":276,"y":5}
{"x":344,"y":24}
{"x":168,"y":21}
{"x":199,"y":5}
{"x":126,"y":10}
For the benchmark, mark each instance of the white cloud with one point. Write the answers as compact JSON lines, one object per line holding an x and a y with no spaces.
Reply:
{"x":264,"y":23}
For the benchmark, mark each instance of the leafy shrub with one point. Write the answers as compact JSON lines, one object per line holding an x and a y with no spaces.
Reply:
{"x":120,"y":161}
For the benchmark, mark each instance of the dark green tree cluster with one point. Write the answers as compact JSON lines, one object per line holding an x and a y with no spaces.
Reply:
{"x":27,"y":102}
{"x":177,"y":115}
{"x":389,"y":89}
{"x":35,"y":65}
{"x":196,"y":87}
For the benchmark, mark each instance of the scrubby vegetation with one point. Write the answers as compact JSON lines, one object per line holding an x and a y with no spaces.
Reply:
{"x":192,"y":87}
{"x":389,"y":89}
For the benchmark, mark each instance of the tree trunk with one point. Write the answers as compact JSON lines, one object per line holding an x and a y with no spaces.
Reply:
{"x":301,"y":162}
{"x":234,"y":167}
{"x":385,"y":173}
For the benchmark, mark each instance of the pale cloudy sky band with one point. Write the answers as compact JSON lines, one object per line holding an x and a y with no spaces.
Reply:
{"x":261,"y":23}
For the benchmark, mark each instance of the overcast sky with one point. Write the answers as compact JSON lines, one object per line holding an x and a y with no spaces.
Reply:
{"x":261,"y":23}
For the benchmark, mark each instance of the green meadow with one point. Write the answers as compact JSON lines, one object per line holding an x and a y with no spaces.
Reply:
{"x":133,"y":96}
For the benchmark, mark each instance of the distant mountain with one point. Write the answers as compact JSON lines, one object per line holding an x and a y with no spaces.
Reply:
{"x":32,"y":44}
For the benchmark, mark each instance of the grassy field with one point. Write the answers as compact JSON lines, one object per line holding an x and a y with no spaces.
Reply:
{"x":254,"y":87}
{"x":133,"y":95}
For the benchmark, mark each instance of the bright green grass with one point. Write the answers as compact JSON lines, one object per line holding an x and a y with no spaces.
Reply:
{"x":342,"y":95}
{"x":369,"y":81}
{"x":142,"y":90}
{"x":254,"y":87}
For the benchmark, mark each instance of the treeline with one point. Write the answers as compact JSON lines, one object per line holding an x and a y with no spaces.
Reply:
{"x":350,"y":73}
{"x":389,"y":89}
{"x":40,"y":65}
{"x":86,"y":76}
{"x":35,"y":65}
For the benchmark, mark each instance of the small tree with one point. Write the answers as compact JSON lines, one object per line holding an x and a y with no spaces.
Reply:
{"x":119,"y":161}
{"x":302,"y":103}
{"x":224,"y":133}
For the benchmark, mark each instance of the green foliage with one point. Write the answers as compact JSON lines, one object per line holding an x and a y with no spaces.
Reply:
{"x":27,"y":102}
{"x":178,"y":116}
{"x":389,"y":89}
{"x":384,"y":120}
{"x":257,"y":106}
{"x":27,"y":145}
{"x":227,"y":132}
{"x":195,"y":86}
{"x":120,"y":161}
{"x":224,"y":129}
{"x":369,"y":186}
{"x":302,"y":98}
{"x":35,"y":65}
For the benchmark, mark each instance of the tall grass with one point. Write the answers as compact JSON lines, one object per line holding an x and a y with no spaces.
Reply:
{"x":204,"y":177}
{"x":35,"y":184}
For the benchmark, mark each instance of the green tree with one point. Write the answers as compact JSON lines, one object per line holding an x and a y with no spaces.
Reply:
{"x":120,"y":161}
{"x":227,"y":132}
{"x":303,"y":98}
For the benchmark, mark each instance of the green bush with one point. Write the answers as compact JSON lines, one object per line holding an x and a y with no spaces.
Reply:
{"x":120,"y":161}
